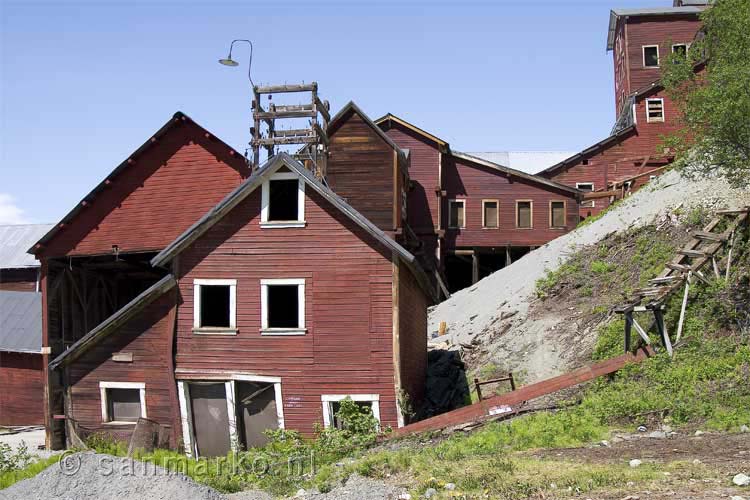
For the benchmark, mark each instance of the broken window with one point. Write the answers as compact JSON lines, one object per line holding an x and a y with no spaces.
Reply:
{"x":215,"y":305}
{"x":680,"y":49}
{"x":456,"y":214}
{"x":283,"y":201}
{"x":489,"y":214}
{"x":283,"y":306}
{"x":122,"y":401}
{"x":587,"y":187}
{"x":557,"y":213}
{"x":654,"y":110}
{"x":332,"y":405}
{"x":523,"y":214}
{"x":651,"y":56}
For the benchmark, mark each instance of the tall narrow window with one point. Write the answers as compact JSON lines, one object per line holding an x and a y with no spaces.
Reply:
{"x":490,"y":214}
{"x":586,"y":187}
{"x":456,"y":213}
{"x":557,"y":214}
{"x":654,"y":110}
{"x":283,"y":307}
{"x":650,"y":56}
{"x":215,"y":305}
{"x":524,"y":214}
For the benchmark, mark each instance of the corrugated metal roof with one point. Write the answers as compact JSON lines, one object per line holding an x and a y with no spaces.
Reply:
{"x":20,"y":321}
{"x":15,"y":240}
{"x":529,"y":162}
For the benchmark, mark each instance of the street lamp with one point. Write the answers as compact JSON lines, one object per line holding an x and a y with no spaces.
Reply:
{"x":228,"y":61}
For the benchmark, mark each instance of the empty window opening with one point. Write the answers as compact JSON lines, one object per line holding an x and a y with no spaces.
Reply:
{"x":585,"y":162}
{"x":651,"y":56}
{"x":335,"y":407}
{"x":332,"y":406}
{"x":283,"y":306}
{"x":587,"y":187}
{"x":557,"y":214}
{"x":283,"y":200}
{"x":680,"y":49}
{"x":214,"y":306}
{"x":456,"y":214}
{"x":523,"y":214}
{"x":654,"y":110}
{"x":489,"y":214}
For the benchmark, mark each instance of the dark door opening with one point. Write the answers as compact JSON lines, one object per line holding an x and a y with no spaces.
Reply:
{"x":458,"y":271}
{"x":210,"y":418}
{"x":256,"y":412}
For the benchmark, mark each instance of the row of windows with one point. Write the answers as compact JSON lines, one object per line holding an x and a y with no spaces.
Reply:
{"x":491,"y":214}
{"x":282,"y":304}
{"x":651,"y":54}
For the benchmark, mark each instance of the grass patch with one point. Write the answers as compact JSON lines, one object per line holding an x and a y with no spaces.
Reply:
{"x":10,"y":477}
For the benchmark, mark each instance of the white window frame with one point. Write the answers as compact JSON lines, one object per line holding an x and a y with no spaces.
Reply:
{"x":663,"y":111}
{"x":497,"y":216}
{"x":103,"y":386}
{"x":327,"y":399}
{"x":266,"y":196}
{"x":462,"y":201}
{"x":213,"y":330}
{"x":658,"y":56}
{"x":686,"y":45}
{"x":593,"y":202}
{"x":264,"y":329}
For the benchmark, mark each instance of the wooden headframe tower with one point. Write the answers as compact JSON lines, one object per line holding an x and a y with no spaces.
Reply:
{"x":268,"y":133}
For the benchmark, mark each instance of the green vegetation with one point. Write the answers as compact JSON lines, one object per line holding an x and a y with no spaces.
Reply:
{"x":17,"y":465}
{"x":715,"y":104}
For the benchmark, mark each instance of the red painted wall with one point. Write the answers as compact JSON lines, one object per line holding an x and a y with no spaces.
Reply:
{"x":412,"y":305}
{"x":348,"y":345}
{"x":22,"y":394}
{"x":170,"y":186}
{"x":148,"y":337}
{"x":18,"y":280}
{"x":466,"y":180}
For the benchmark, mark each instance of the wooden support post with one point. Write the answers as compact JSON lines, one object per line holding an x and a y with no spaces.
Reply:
{"x":256,"y":130}
{"x":479,"y":389}
{"x":681,"y":321}
{"x":628,"y":330}
{"x":662,"y":329}
{"x":507,"y":256}
{"x":474,"y":268}
{"x":729,"y":255}
{"x":716,"y":266}
{"x":641,"y":331}
{"x":512,"y":381}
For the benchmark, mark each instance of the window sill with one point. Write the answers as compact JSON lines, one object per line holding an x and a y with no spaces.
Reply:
{"x":283,"y":224}
{"x":283,"y":331}
{"x":525,"y":228}
{"x":490,"y":228}
{"x":215,"y":331}
{"x":117,"y":423}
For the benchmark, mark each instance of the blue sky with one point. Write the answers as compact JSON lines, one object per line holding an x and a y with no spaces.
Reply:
{"x":83,"y":84}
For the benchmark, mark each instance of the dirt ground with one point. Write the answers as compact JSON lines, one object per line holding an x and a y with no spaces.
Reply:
{"x":720,"y":457}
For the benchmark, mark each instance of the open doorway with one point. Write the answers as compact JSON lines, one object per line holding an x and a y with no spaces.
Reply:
{"x":256,"y":412}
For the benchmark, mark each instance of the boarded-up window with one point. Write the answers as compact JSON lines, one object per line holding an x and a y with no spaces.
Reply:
{"x":456,"y":214}
{"x":557,"y":213}
{"x":124,"y":405}
{"x":523,"y":214}
{"x":651,"y":56}
{"x":654,"y":110}
{"x":489,"y":217}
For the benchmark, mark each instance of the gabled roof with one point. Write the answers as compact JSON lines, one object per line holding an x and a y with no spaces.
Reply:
{"x":20,"y":321}
{"x":177,"y":118}
{"x":603,"y":144}
{"x":115,"y":321}
{"x":15,"y":240}
{"x":249,"y":185}
{"x":387,"y":119}
{"x":350,"y":106}
{"x":616,"y":14}
{"x":517,"y":173}
{"x":530,"y":162}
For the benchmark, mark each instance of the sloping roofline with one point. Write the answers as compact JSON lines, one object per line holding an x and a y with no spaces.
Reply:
{"x":591,"y":149}
{"x":351,"y":106}
{"x":253,"y":182}
{"x":616,"y":14}
{"x":178,"y":117}
{"x":517,"y":173}
{"x":412,"y":127}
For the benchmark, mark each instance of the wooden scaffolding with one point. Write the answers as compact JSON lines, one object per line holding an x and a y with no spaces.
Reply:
{"x":708,"y":246}
{"x":269,"y":134}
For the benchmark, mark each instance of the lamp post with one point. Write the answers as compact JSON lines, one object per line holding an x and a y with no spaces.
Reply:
{"x":228,"y":61}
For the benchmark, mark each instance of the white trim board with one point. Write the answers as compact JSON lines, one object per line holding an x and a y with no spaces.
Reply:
{"x":103,"y":386}
{"x":300,"y":284}
{"x":332,"y":398}
{"x":265,"y":197}
{"x":197,"y":327}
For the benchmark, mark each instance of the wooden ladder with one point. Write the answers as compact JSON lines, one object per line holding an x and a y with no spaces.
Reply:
{"x":686,"y":266}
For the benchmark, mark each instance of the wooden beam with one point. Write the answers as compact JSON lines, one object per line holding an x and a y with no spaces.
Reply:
{"x":641,"y":331}
{"x":707,"y":236}
{"x":280,"y":141}
{"x":273,"y":115}
{"x":279,"y":89}
{"x":322,"y":109}
{"x":683,"y":308}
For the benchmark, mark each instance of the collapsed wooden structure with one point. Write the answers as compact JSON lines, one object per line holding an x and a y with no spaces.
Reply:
{"x":702,"y":249}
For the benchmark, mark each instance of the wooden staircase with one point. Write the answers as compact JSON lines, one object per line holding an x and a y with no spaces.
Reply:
{"x":706,"y":246}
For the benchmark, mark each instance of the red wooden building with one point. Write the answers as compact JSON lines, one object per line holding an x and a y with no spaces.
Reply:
{"x":474,"y":216}
{"x":640,"y":41}
{"x":220,"y":305}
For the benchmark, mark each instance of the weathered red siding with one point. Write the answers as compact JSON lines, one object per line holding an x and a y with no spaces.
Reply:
{"x":172,"y":184}
{"x":148,"y":336}
{"x":412,"y":305}
{"x":360,"y":170}
{"x":22,"y":394}
{"x":473,"y":182}
{"x":348,"y":347}
{"x":18,"y":280}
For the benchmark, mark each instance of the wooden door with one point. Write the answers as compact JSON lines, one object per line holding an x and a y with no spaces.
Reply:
{"x":210,"y":418}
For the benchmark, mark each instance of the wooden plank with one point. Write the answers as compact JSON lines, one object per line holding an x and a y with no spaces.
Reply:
{"x":273,"y":115}
{"x":707,"y":236}
{"x":280,"y":141}
{"x":683,"y":308}
{"x":280,"y":89}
